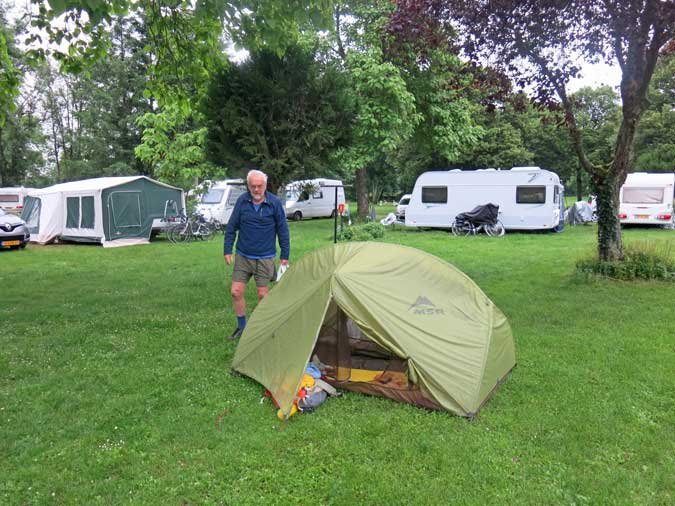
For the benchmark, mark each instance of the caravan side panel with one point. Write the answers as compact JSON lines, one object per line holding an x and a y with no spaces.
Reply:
{"x":527,"y":200}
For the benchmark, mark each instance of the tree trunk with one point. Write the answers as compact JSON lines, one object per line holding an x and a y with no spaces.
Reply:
{"x":608,"y":182}
{"x":580,"y":190}
{"x":362,"y":193}
{"x":607,"y":189}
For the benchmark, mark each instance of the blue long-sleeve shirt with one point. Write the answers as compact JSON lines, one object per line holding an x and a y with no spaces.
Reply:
{"x":257,"y":231}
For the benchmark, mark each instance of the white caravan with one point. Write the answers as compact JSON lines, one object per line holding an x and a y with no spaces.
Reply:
{"x":647,"y":199}
{"x":11,"y":199}
{"x":529,"y":198}
{"x":320,"y":203}
{"x":218,"y":202}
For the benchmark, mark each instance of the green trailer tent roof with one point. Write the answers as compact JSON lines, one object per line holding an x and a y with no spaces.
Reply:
{"x":458,"y":345}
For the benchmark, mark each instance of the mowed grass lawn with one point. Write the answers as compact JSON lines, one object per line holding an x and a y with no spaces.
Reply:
{"x":115,"y":387}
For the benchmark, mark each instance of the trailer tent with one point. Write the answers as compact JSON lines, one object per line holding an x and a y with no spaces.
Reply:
{"x":112,"y":211}
{"x":386,"y":320}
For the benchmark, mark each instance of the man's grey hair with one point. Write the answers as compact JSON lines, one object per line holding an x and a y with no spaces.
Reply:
{"x":255,"y":172}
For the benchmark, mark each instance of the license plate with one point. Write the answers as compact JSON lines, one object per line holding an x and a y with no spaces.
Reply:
{"x":642,"y":216}
{"x":11,"y":243}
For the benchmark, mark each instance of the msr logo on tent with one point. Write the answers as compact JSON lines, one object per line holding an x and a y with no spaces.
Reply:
{"x":424,"y":306}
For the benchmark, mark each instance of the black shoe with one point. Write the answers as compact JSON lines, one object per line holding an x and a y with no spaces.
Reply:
{"x":236,"y":334}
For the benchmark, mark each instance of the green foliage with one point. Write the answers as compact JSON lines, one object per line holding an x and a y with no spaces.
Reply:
{"x":281,"y":113}
{"x":655,"y":140}
{"x":174,"y":148}
{"x":363,"y":232}
{"x":642,"y":260}
{"x":10,"y":78}
{"x":384,"y":109}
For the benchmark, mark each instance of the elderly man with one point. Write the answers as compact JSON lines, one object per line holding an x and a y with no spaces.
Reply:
{"x":257,"y":220}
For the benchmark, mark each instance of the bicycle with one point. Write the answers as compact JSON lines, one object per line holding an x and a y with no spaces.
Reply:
{"x":194,"y":227}
{"x":479,"y":219}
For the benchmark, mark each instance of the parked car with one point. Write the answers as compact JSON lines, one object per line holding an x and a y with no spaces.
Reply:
{"x":13,"y":231}
{"x":402,"y":206}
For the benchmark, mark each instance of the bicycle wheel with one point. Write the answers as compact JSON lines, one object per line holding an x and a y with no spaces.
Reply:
{"x":495,"y":230}
{"x":171,"y":232}
{"x":204,"y":232}
{"x":182,"y":233}
{"x":462,"y":228}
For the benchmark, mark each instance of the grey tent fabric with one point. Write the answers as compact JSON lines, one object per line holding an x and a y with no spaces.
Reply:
{"x":579,"y":213}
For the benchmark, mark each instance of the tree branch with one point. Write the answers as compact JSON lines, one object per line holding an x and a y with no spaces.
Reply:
{"x":341,"y":49}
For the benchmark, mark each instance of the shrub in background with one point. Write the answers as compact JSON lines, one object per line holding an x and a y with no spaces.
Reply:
{"x":366,"y":232}
{"x":642,"y":260}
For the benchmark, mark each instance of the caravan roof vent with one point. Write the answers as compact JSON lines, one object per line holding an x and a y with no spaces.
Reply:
{"x":527,"y":169}
{"x":455,"y":170}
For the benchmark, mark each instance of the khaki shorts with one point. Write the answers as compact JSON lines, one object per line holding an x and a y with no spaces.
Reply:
{"x":263,"y":270}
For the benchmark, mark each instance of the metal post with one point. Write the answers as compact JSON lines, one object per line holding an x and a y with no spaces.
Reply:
{"x":335,"y":216}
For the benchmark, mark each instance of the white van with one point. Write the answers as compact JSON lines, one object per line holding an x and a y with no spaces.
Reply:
{"x":312,"y":198}
{"x":529,"y":198}
{"x":11,"y":199}
{"x":218,"y":202}
{"x":402,"y":206}
{"x":647,"y":199}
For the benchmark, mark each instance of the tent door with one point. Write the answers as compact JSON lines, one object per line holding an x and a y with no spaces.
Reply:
{"x":125,"y":214}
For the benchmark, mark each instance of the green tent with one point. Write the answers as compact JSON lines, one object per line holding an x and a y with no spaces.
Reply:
{"x":383,"y":319}
{"x":112,"y":211}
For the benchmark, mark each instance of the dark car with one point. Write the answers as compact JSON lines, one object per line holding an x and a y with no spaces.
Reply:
{"x":13,"y":231}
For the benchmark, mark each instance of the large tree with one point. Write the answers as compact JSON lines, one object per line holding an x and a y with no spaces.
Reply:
{"x":412,"y":109}
{"x":184,"y":46}
{"x":20,"y":135}
{"x":10,"y":75}
{"x":540,"y":44}
{"x":280,"y":113}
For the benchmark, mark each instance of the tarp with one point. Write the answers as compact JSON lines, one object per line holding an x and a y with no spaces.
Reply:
{"x":457,"y":343}
{"x":485,"y":214}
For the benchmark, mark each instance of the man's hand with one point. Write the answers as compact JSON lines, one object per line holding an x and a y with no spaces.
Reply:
{"x":228,"y":259}
{"x":284,"y":262}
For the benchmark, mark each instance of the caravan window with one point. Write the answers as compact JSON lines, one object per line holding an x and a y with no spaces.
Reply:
{"x":556,"y":195}
{"x":213,"y":197}
{"x":235,"y":192}
{"x":434,"y":195}
{"x":531,"y":194}
{"x":4,"y":198}
{"x":642,"y":195}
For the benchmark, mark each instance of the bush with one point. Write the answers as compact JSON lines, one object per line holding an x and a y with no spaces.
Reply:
{"x":366,"y":232}
{"x":642,"y":260}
